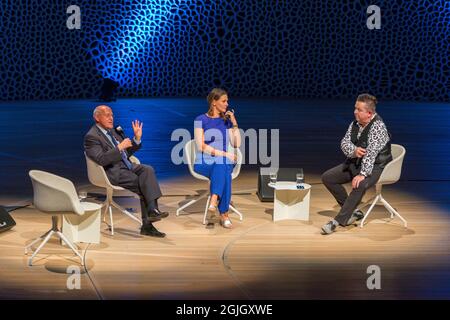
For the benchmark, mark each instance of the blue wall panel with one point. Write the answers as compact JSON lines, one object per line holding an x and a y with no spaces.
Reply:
{"x":314,"y":48}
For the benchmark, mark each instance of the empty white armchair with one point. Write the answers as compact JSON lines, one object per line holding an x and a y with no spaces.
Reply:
{"x":190,"y":154}
{"x":391,"y":174}
{"x":56,"y":196}
{"x":97,"y":176}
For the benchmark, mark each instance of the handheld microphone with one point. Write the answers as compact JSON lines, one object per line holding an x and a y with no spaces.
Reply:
{"x":120,"y":131}
{"x":358,"y":161}
{"x":229,"y":109}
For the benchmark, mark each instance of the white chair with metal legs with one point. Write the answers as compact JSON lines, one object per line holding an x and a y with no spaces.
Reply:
{"x":97,"y":176}
{"x":57,"y":196}
{"x":190,"y":153}
{"x":391,"y":174}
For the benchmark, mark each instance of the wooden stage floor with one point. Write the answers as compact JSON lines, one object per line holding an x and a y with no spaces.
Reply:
{"x":257,"y":259}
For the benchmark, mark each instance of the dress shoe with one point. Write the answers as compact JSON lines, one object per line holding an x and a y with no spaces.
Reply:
{"x":211,"y":217}
{"x":155,"y":215}
{"x":152,"y":218}
{"x":356,"y":216}
{"x":212,"y":210}
{"x":150,"y":230}
{"x":329,"y":227}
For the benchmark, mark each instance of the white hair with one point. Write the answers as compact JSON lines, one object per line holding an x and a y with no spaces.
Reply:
{"x":98,"y":109}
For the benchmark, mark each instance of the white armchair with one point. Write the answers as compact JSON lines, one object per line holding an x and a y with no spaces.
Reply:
{"x":190,"y":153}
{"x":57,"y":196}
{"x":97,"y":176}
{"x":391,"y":174}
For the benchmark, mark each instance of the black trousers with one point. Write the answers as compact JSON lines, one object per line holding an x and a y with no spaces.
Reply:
{"x":344,"y":173}
{"x":142,"y":181}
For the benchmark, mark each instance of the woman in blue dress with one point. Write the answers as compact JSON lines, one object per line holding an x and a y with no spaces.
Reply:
{"x":213,"y":132}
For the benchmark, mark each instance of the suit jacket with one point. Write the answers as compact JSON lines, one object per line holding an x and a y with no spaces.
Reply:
{"x":100,"y":149}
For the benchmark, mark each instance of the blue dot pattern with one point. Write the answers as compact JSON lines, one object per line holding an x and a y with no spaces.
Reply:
{"x":314,"y":48}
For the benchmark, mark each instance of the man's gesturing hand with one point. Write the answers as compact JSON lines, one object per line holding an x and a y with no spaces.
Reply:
{"x":137,"y":128}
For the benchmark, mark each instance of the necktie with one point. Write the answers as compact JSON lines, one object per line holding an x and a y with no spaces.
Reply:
{"x":122,"y":153}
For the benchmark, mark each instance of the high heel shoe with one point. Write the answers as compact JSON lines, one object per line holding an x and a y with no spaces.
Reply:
{"x":226,"y":223}
{"x":212,"y":209}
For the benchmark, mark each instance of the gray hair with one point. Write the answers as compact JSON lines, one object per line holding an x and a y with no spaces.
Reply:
{"x":98,"y":110}
{"x":369,"y":100}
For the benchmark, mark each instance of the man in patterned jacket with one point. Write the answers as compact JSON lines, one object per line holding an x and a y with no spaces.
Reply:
{"x":368,"y":149}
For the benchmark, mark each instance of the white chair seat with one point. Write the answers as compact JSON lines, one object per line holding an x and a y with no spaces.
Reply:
{"x":90,"y":206}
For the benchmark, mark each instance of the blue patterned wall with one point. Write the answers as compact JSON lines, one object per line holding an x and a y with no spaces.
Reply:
{"x":314,"y":48}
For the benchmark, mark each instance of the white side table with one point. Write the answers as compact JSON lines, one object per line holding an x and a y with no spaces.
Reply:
{"x":290,"y":202}
{"x":84,"y":228}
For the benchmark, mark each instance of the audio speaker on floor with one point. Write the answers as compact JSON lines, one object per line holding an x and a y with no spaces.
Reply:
{"x":266,"y":193}
{"x":6,"y":221}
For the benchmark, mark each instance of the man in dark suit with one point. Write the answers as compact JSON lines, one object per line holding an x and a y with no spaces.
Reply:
{"x":112,"y":151}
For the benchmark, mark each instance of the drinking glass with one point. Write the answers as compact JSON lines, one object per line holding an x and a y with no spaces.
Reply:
{"x":300,"y":180}
{"x":82,"y":195}
{"x":273,"y":177}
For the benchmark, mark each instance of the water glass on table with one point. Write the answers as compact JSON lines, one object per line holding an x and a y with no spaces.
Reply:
{"x":300,"y":180}
{"x":273,"y":178}
{"x":82,"y":195}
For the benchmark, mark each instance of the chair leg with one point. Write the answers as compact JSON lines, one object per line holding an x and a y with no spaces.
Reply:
{"x":206,"y":209}
{"x":387,"y":208}
{"x":370,"y":209}
{"x":70,"y":244}
{"x":186,"y":205}
{"x":49,"y":234}
{"x":191,"y":203}
{"x":106,"y":205}
{"x":36,"y":240}
{"x":111,"y":220}
{"x":393,"y":211}
{"x":236,"y":211}
{"x":126,"y":212}
{"x":104,"y":216}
